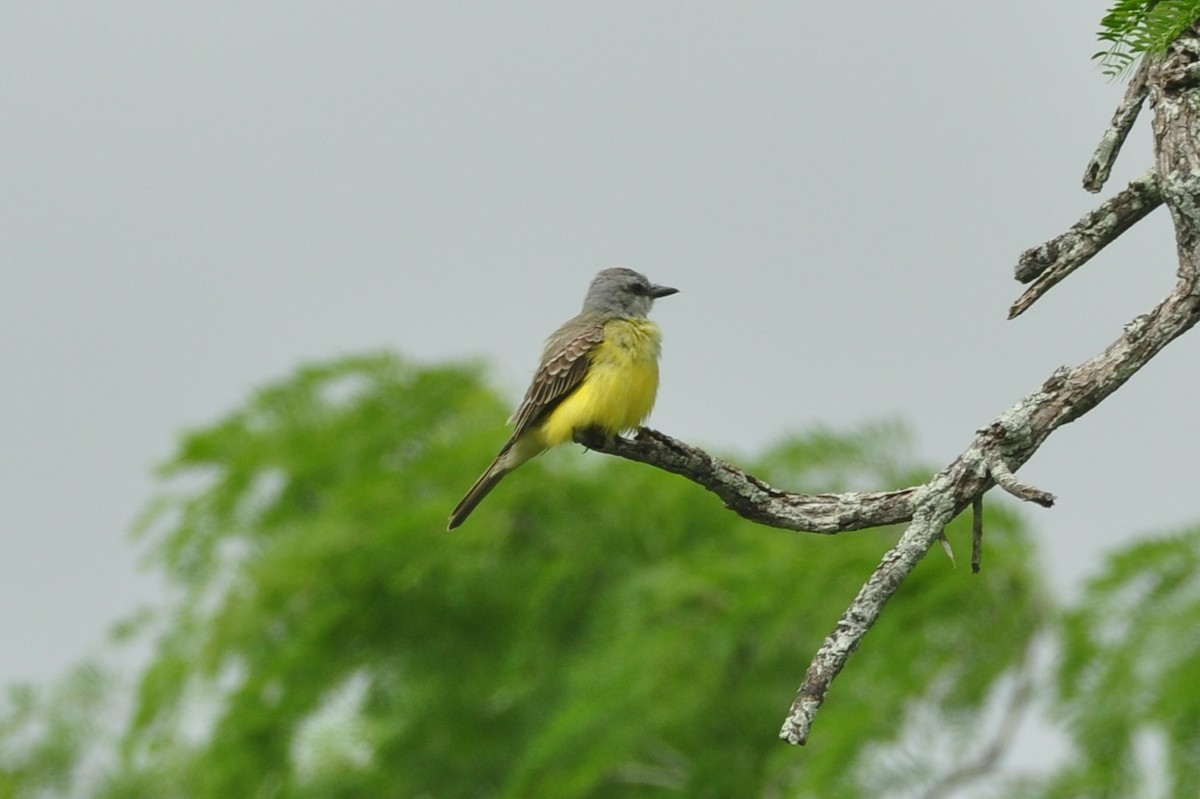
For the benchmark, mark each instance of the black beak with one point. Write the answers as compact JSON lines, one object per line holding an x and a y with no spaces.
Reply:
{"x":657,"y":292}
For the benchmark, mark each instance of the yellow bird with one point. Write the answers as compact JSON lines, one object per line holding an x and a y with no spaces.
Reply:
{"x":599,"y":370}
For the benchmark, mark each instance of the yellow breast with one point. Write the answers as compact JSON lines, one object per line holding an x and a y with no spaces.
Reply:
{"x":621,"y":384}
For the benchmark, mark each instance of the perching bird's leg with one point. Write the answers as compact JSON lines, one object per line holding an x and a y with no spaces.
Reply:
{"x":592,"y":437}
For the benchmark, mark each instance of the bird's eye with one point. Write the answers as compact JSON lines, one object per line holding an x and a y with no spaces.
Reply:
{"x":639,"y":288}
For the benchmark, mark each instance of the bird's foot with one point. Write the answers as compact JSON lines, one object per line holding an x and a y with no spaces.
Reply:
{"x":591,"y":437}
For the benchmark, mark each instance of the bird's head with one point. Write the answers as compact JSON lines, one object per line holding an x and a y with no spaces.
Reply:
{"x":623,"y":292}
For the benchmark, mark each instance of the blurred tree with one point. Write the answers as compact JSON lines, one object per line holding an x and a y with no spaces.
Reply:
{"x":597,"y":629}
{"x":46,"y":737}
{"x":1129,"y":679}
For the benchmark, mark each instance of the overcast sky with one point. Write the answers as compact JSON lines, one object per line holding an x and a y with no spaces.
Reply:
{"x":196,"y":198}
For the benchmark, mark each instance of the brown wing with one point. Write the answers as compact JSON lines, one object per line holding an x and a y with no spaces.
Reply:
{"x":564,"y":365}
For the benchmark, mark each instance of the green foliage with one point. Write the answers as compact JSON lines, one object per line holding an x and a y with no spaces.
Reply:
{"x":1128,"y":681}
{"x":597,"y":629}
{"x":1134,"y":28}
{"x":44,"y":736}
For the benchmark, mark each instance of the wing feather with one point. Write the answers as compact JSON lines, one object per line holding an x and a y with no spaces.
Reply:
{"x":565,"y":363}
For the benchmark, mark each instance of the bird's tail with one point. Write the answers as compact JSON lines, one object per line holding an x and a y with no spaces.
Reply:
{"x":483,"y":486}
{"x":514,"y":453}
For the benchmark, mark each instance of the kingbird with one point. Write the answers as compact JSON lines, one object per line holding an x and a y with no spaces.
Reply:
{"x":598,"y":371}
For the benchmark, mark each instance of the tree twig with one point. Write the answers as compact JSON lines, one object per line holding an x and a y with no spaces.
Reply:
{"x":1100,"y":164}
{"x":1009,"y":482}
{"x":934,"y":508}
{"x":1047,"y":264}
{"x":977,"y":534}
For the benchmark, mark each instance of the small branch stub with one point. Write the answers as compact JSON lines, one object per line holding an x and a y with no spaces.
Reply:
{"x":1009,"y":482}
{"x":1046,"y":265}
{"x":977,"y":534}
{"x":1101,"y":162}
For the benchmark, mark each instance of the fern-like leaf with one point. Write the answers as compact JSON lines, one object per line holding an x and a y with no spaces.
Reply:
{"x":1136,"y":28}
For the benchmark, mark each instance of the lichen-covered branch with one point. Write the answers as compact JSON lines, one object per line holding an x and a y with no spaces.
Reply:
{"x":1009,"y":482}
{"x":1012,"y":438}
{"x":1047,"y":264}
{"x":1095,"y":175}
{"x":752,"y":498}
{"x":934,"y":507}
{"x":1001,"y":447}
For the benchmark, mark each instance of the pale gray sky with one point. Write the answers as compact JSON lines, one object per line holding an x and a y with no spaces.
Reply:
{"x":198,"y":197}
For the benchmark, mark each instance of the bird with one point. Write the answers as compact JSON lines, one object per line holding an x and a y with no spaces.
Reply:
{"x":599,"y":371}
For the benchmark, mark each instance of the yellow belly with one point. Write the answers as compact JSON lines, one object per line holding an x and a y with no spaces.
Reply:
{"x":619,"y":390}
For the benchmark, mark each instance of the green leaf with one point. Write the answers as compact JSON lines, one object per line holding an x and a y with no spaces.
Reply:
{"x":1136,"y":28}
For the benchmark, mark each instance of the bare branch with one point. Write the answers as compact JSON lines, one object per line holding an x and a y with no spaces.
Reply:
{"x":1049,"y":263}
{"x":1100,"y":165}
{"x":1012,"y":438}
{"x":1015,"y":435}
{"x":752,"y":498}
{"x":934,"y":508}
{"x":1009,"y":482}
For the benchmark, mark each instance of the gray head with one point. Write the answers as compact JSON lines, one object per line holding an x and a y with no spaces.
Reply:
{"x":623,"y":292}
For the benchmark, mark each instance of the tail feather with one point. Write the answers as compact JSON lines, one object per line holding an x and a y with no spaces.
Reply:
{"x":483,"y":486}
{"x":513,"y":454}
